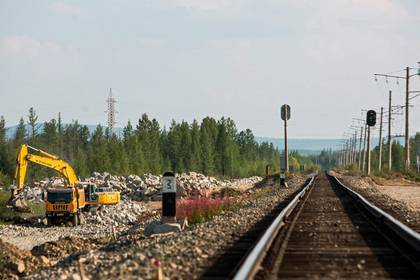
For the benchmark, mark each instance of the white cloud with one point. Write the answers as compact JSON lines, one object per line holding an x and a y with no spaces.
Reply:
{"x":66,"y":9}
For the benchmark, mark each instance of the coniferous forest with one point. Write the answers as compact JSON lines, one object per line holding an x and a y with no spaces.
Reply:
{"x":212,"y":147}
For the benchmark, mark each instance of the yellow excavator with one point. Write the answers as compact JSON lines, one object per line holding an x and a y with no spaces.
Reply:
{"x":62,"y":203}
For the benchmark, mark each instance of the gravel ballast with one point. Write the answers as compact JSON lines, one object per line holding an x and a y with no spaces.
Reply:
{"x":184,"y":255}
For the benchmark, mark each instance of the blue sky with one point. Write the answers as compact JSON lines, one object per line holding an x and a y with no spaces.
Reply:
{"x":187,"y":59}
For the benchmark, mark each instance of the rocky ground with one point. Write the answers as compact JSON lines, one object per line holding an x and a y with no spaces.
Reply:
{"x":98,"y":252}
{"x":399,"y":198}
{"x":120,"y":217}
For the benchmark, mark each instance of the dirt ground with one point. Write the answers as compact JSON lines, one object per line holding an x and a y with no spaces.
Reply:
{"x":410,"y":195}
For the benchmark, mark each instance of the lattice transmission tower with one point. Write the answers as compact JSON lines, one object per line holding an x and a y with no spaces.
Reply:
{"x":111,"y":112}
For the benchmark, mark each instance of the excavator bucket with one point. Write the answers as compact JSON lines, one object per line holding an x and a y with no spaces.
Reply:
{"x":18,"y":203}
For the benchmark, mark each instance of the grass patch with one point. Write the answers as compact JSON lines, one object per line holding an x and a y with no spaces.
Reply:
{"x":7,"y":214}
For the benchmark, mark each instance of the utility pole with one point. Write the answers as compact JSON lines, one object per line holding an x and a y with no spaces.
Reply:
{"x":349,"y":151}
{"x":353,"y":150}
{"x":407,"y":135}
{"x":368,"y":151}
{"x":345,"y":153}
{"x":360,"y":146}
{"x":380,"y":140}
{"x":364,"y":150}
{"x":389,"y":132}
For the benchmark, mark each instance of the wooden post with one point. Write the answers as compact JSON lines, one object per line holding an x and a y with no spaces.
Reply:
{"x":81,"y":270}
{"x":114,"y":233}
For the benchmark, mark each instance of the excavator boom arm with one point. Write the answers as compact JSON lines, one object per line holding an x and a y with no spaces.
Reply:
{"x":44,"y":159}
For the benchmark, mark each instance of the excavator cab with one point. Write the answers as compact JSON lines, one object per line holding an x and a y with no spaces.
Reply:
{"x":91,"y":194}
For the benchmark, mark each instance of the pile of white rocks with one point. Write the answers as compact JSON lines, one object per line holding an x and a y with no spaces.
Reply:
{"x":146,"y":187}
{"x":124,"y":213}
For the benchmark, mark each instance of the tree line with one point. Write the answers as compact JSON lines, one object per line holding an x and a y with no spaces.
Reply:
{"x":397,"y":158}
{"x":397,"y":155}
{"x":212,"y":147}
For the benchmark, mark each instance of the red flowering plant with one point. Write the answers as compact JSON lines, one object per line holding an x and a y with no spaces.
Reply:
{"x":199,"y":208}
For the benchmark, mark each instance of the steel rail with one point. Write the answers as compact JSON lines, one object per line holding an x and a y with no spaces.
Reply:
{"x":403,"y":231}
{"x":252,"y":263}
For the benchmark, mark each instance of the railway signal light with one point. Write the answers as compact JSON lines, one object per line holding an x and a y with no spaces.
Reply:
{"x":285,"y":112}
{"x":371,"y":118}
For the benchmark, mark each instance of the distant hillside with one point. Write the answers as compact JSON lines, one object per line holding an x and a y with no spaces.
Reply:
{"x":309,"y":146}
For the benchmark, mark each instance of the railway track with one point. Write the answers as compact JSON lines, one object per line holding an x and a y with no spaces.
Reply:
{"x":329,"y":231}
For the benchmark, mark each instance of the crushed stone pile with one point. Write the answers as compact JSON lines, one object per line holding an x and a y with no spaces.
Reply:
{"x":148,"y":186}
{"x":125,"y":213}
{"x":143,"y":188}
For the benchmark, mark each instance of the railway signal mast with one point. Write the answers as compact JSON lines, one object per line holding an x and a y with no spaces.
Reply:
{"x":370,"y":121}
{"x":285,"y":116}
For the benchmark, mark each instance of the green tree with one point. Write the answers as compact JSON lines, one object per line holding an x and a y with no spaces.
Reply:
{"x":99,"y":156}
{"x":5,"y":159}
{"x":20,"y":134}
{"x":207,"y":150}
{"x":33,"y":125}
{"x":195,"y":146}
